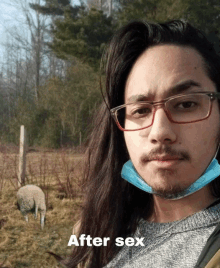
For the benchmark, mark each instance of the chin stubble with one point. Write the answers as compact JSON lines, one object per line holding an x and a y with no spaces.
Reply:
{"x":170,"y":190}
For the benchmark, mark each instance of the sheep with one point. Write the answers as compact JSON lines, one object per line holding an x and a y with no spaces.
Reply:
{"x":31,"y":198}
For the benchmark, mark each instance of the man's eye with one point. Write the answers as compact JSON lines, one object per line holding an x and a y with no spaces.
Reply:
{"x":186,"y":105}
{"x":141,"y":112}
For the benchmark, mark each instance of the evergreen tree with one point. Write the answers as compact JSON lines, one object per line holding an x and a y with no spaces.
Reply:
{"x":152,"y":10}
{"x":202,"y":14}
{"x":83,"y":37}
{"x":205,"y":15}
{"x":55,"y":7}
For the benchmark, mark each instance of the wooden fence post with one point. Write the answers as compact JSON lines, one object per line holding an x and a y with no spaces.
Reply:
{"x":22,"y":157}
{"x":80,"y":138}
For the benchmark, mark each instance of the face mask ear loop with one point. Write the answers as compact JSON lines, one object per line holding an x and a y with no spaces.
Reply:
{"x":214,"y":155}
{"x":217,"y":151}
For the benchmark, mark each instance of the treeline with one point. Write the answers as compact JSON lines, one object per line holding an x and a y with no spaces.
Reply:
{"x":49,"y":76}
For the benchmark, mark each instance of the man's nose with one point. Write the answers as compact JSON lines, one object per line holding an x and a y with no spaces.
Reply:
{"x":161,"y":130}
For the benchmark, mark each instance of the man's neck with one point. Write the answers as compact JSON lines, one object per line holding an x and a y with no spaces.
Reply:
{"x":165,"y":210}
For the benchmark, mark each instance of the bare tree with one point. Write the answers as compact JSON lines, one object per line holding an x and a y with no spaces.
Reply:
{"x":32,"y":60}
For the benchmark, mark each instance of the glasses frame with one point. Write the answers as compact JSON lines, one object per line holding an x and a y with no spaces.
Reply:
{"x":212,"y":95}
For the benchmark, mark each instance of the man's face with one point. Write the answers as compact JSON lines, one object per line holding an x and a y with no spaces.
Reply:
{"x":170,"y":156}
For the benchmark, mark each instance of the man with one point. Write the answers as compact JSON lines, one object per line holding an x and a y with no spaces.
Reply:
{"x":162,"y":84}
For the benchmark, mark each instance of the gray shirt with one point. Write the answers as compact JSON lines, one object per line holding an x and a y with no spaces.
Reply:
{"x":175,"y":244}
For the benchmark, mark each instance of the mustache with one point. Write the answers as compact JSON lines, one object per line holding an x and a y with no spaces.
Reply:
{"x":167,"y":150}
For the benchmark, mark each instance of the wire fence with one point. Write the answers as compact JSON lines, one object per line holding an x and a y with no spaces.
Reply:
{"x":61,"y":169}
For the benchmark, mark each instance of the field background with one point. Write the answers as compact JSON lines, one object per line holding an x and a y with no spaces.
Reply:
{"x":58,"y":173}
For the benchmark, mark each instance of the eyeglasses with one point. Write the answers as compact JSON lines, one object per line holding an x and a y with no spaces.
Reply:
{"x":180,"y":109}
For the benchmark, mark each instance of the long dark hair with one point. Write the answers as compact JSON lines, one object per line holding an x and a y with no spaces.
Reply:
{"x":112,"y":206}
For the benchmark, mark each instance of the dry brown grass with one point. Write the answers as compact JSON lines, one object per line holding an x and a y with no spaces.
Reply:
{"x":25,"y":244}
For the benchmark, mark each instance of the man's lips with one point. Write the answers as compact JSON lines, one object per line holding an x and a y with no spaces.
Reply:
{"x":167,"y":161}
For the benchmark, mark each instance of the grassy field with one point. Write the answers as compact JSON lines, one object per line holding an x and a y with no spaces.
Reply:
{"x":25,"y":244}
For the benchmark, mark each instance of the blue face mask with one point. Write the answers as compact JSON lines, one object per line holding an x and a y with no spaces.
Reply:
{"x":130,"y":174}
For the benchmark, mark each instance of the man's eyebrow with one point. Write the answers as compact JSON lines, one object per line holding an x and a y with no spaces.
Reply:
{"x":177,"y":89}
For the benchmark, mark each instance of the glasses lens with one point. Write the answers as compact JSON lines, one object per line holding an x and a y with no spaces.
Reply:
{"x":135,"y":116}
{"x":189,"y":108}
